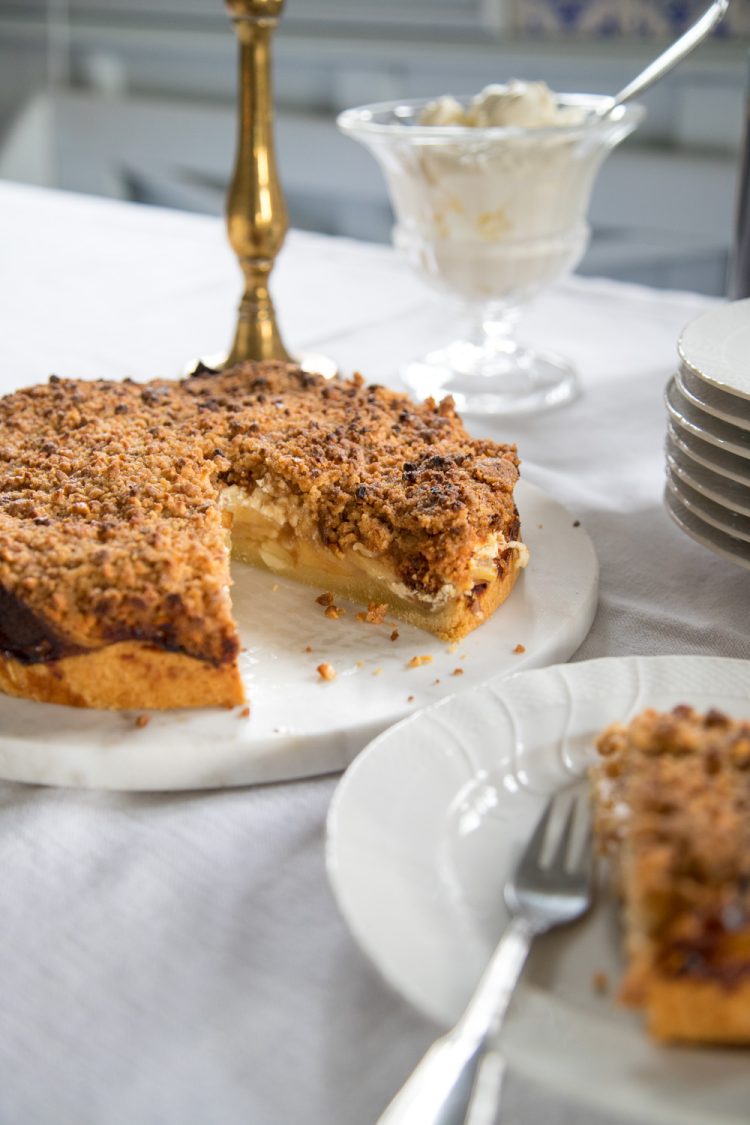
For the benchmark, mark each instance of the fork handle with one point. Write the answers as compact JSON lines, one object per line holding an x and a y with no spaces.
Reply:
{"x":463,"y":1070}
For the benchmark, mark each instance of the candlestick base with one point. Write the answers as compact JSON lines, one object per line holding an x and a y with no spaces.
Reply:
{"x":314,"y":363}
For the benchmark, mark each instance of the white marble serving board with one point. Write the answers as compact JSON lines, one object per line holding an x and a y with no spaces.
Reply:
{"x":300,"y":726}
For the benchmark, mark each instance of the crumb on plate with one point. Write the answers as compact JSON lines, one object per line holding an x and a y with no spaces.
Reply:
{"x":326,"y":671}
{"x":374,"y":614}
{"x":418,"y":661}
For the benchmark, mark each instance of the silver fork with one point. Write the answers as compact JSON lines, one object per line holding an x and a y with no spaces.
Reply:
{"x":459,"y":1079}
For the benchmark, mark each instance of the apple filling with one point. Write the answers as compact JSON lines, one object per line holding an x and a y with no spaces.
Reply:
{"x":272,"y":529}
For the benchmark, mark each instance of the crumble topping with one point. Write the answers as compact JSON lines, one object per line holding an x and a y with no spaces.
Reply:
{"x":111,"y":520}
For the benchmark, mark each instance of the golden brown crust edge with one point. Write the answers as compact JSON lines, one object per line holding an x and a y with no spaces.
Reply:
{"x":698,"y":1011}
{"x":468,"y":614}
{"x":128,"y":675}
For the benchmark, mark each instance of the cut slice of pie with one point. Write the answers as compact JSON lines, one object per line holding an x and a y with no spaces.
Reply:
{"x":120,"y":504}
{"x":673,"y":814}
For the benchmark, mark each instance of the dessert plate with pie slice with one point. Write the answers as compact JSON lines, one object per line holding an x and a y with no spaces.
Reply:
{"x":423,"y":832}
{"x":301,"y":724}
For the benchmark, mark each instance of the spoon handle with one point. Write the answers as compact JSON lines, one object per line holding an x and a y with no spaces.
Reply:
{"x":673,"y":54}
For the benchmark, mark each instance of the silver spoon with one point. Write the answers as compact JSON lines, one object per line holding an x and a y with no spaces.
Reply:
{"x":661,"y":65}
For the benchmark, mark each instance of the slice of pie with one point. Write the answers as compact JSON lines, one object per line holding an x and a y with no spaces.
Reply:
{"x":673,"y":815}
{"x":120,"y":504}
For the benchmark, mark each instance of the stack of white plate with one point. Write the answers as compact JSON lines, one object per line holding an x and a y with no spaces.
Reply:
{"x":708,"y":435}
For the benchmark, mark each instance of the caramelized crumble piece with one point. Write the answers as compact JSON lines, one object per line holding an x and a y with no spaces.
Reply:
{"x":519,"y":649}
{"x":142,"y":721}
{"x":395,"y":635}
{"x":334,"y":612}
{"x":325,"y":599}
{"x":326,"y":671}
{"x":457,"y":672}
{"x":418,"y":661}
{"x":672,"y":796}
{"x":244,"y":713}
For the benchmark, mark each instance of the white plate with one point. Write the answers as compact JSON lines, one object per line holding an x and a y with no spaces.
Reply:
{"x":731,"y":523}
{"x":716,"y":345}
{"x":300,"y":725}
{"x":717,"y":541}
{"x":729,"y":408}
{"x":423,"y":831}
{"x":725,"y":464}
{"x":695,"y":421}
{"x":727,"y":493}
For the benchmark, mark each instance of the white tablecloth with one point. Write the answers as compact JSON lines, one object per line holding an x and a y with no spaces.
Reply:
{"x":180,"y":958}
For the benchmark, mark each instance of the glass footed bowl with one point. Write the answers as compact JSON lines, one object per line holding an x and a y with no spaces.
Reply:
{"x":491,"y":215}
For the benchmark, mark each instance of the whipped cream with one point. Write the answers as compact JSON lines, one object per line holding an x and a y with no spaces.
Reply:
{"x":493,"y":217}
{"x":527,"y":105}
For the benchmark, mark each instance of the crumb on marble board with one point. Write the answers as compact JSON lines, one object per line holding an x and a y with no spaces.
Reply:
{"x":374,"y":614}
{"x":600,"y":981}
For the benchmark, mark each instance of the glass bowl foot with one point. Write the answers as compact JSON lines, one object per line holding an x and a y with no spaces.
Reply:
{"x":509,"y":380}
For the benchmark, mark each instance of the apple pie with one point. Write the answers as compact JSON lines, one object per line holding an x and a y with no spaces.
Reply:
{"x":120,"y":504}
{"x":673,"y":815}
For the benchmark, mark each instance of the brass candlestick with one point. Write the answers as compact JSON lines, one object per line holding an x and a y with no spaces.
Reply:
{"x":256,"y":213}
